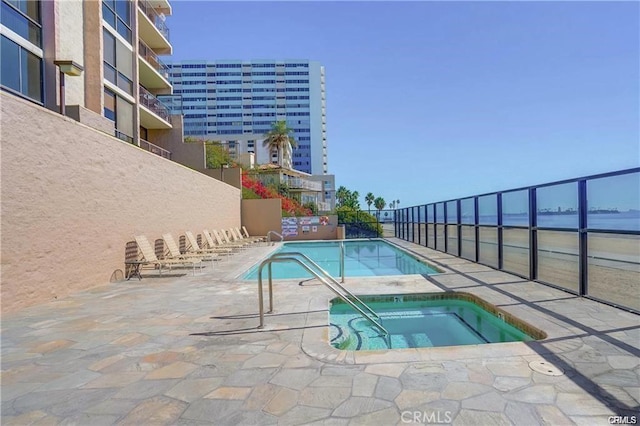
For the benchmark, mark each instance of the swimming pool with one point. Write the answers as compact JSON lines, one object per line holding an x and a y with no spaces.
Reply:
{"x":426,"y":320}
{"x":362,"y":258}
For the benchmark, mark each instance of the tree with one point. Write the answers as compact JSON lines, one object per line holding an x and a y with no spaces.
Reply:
{"x":216,"y":153}
{"x":348,"y":199}
{"x":392,"y":204}
{"x":379,"y":204}
{"x":280,"y":138}
{"x":369,"y":198}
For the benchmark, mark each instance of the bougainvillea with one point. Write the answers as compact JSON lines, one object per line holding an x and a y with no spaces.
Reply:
{"x":289,"y":207}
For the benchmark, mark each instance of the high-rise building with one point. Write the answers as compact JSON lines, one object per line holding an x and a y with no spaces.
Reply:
{"x":95,"y":61}
{"x":236,"y":102}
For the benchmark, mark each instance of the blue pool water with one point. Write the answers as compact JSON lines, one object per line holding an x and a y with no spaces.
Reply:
{"x":419,"y":324}
{"x":362,"y":258}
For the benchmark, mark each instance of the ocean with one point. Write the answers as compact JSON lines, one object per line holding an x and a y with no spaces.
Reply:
{"x":623,"y":221}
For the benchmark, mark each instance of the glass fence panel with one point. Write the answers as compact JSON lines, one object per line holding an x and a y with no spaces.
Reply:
{"x":452,"y":239}
{"x":468,"y":242}
{"x":423,"y":234}
{"x":410,"y":232}
{"x":430,"y":216}
{"x":557,"y":206}
{"x":614,"y":268}
{"x":488,"y":210}
{"x":614,"y":202}
{"x":452,"y":212}
{"x":558,"y":261}
{"x":488,"y":246}
{"x":467,"y":211}
{"x":440,"y":237}
{"x":431,"y":236}
{"x":416,"y":232}
{"x":515,"y":251}
{"x":440,"y":212}
{"x":515,"y":208}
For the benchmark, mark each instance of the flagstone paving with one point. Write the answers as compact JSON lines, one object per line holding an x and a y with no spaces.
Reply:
{"x":186,"y":350}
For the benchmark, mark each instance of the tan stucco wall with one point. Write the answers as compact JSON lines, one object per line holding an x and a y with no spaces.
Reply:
{"x":192,"y":155}
{"x":93,"y":64}
{"x":262,"y":215}
{"x":72,"y":197}
{"x":90,"y":118}
{"x":70,"y":45}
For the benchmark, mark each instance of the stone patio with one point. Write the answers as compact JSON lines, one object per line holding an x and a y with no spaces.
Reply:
{"x":186,"y":350}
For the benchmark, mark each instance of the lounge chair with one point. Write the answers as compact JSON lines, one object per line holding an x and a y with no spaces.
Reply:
{"x":195,"y":248}
{"x":246,"y":234}
{"x":174,"y":251}
{"x":240,"y":237}
{"x":223,"y":241}
{"x":149,"y":256}
{"x":212,"y":243}
{"x":231,"y":235}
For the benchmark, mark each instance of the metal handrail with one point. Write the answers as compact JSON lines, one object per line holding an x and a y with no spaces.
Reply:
{"x":156,"y":106}
{"x":282,"y":259}
{"x":152,"y":58}
{"x":155,"y":149}
{"x":156,"y":19}
{"x":327,"y":275}
{"x":274,"y":232}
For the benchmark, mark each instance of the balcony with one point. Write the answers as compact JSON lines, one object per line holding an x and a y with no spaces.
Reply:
{"x":154,"y":74}
{"x":155,"y":149}
{"x":152,"y":28}
{"x":153,"y":113}
{"x":298,"y":183}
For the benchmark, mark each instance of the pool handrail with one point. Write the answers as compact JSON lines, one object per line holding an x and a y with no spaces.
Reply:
{"x":327,"y":275}
{"x":288,"y":257}
{"x":274,"y":232}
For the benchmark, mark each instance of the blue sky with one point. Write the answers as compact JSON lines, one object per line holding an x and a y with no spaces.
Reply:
{"x":428,"y":101}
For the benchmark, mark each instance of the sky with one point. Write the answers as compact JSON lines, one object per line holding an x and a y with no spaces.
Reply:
{"x":429,"y":101}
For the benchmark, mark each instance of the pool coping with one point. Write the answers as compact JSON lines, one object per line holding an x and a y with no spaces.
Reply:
{"x":277,"y":245}
{"x":316,"y":339}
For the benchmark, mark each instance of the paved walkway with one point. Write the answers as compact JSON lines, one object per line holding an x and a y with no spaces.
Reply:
{"x":186,"y":350}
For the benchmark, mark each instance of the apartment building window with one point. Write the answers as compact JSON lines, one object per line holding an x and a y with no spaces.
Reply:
{"x":120,"y":111}
{"x":117,"y":13}
{"x":118,"y":62}
{"x":23,"y":18}
{"x":21,"y":68}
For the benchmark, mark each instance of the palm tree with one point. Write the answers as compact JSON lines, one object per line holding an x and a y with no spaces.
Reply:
{"x":280,"y":138}
{"x":392,"y":205}
{"x":369,"y":198}
{"x":379,"y":204}
{"x":397,"y":203}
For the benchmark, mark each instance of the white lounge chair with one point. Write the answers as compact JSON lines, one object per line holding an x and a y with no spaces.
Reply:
{"x":149,"y":256}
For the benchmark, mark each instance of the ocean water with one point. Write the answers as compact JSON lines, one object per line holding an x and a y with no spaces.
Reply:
{"x":623,"y":221}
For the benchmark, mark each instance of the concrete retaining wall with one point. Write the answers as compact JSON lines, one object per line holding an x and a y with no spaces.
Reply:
{"x":72,"y":197}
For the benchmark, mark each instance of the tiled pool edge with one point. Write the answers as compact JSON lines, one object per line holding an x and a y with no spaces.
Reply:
{"x":509,"y":318}
{"x":241,"y":276}
{"x":315,"y":343}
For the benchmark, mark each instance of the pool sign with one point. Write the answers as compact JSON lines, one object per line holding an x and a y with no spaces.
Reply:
{"x":289,"y":226}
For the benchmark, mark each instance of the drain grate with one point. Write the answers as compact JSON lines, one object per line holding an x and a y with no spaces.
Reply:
{"x":546,"y":368}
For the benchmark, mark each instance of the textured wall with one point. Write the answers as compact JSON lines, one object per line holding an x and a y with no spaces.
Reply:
{"x":70,"y":45}
{"x":261,"y":216}
{"x":72,"y":197}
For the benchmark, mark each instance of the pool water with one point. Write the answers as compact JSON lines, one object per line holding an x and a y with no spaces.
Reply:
{"x":419,"y":324}
{"x":362,"y":258}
